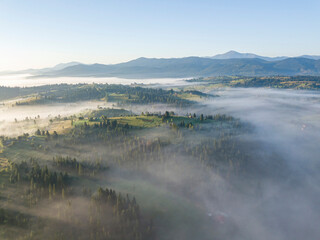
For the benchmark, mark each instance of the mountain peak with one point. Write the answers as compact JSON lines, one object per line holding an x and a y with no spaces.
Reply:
{"x":64,"y":65}
{"x":234,"y":54}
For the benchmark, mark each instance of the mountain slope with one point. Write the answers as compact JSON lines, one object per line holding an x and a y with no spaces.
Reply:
{"x":191,"y":67}
{"x":57,"y":67}
{"x":233,"y":54}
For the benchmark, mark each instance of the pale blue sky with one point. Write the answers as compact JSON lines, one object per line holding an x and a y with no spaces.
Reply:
{"x":39,"y":33}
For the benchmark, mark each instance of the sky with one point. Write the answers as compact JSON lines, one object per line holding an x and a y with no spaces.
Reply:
{"x":42,"y":33}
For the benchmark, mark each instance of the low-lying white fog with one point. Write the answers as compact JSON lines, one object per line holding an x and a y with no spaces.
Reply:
{"x":287,"y":119}
{"x":10,"y":113}
{"x":281,"y":200}
{"x":287,"y":124}
{"x":278,"y":198}
{"x":16,"y":120}
{"x":23,"y":80}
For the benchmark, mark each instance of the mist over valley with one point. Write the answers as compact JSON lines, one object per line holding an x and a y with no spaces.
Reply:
{"x":159,"y":120}
{"x":226,"y":163}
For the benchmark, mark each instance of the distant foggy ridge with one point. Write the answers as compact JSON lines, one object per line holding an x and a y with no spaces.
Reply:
{"x":234,"y":54}
{"x":230,"y":63}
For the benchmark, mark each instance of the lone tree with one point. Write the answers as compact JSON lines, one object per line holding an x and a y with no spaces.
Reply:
{"x":55,"y":134}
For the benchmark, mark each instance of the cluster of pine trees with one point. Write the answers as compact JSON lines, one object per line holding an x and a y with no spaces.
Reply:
{"x":107,"y":215}
{"x":41,"y":182}
{"x":125,"y":211}
{"x":135,"y":95}
{"x":81,"y":168}
{"x":15,"y":218}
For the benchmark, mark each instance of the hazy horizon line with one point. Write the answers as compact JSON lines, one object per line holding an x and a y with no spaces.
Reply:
{"x":150,"y":57}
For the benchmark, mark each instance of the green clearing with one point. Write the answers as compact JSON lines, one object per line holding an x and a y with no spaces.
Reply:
{"x":190,"y":96}
{"x":107,"y":112}
{"x":133,"y":121}
{"x":21,"y":150}
{"x":139,"y":121}
{"x":144,"y":121}
{"x":61,"y":126}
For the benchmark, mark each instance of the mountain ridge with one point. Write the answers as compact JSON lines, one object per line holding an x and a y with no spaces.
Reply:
{"x":234,"y":54}
{"x":230,"y":63}
{"x":190,"y":67}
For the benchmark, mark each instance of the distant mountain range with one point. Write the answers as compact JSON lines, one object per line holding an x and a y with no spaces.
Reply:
{"x":230,"y":63}
{"x":57,"y":67}
{"x":234,"y":54}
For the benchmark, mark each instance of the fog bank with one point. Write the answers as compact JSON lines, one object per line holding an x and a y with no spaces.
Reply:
{"x":284,"y":202}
